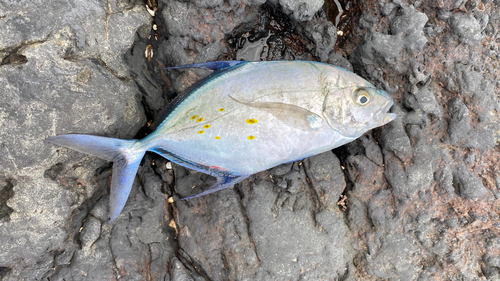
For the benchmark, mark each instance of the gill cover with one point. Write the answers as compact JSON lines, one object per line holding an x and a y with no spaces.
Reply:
{"x":337,"y":110}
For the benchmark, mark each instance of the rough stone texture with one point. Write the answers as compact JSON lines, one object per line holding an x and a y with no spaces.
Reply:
{"x":52,"y":85}
{"x":414,"y":200}
{"x":301,"y":10}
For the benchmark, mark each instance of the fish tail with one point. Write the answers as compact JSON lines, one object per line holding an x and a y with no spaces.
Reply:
{"x":125,"y":155}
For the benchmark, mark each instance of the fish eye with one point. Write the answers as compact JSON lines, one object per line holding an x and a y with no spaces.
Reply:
{"x":362,"y":97}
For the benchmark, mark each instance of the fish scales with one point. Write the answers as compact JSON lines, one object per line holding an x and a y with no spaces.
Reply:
{"x":249,"y":117}
{"x":232,"y":150}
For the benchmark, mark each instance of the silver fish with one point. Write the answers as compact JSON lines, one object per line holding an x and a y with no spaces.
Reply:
{"x":245,"y":118}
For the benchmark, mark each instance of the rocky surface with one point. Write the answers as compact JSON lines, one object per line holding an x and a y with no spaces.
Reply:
{"x":415,"y":200}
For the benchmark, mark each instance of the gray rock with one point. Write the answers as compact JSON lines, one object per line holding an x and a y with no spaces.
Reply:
{"x":214,"y":236}
{"x":422,"y":97}
{"x":301,"y":10}
{"x":460,"y":122}
{"x":469,"y":184}
{"x":324,"y":36}
{"x":68,"y":91}
{"x":394,"y":259}
{"x":97,"y":28}
{"x":20,"y":28}
{"x":105,"y":31}
{"x":445,"y":178}
{"x":179,"y":272}
{"x":410,"y":24}
{"x":53,"y":88}
{"x":467,"y":27}
{"x":427,"y":101}
{"x":469,"y":78}
{"x":326,"y":177}
{"x":339,"y":60}
{"x":460,"y":130}
{"x":377,"y":48}
{"x":390,"y":254}
{"x":200,"y":28}
{"x":150,"y":89}
{"x":395,"y":139}
{"x":306,"y":244}
{"x":372,"y":150}
{"x":413,"y":190}
{"x":138,"y":241}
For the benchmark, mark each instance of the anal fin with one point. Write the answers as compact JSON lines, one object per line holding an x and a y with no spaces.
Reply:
{"x":225,"y":179}
{"x":222,"y":183}
{"x":192,"y":165}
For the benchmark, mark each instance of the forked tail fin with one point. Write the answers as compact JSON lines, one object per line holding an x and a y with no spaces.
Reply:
{"x":125,"y":157}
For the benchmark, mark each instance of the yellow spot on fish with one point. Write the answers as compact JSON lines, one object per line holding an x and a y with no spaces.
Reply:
{"x":251,"y":137}
{"x":199,"y":119}
{"x":221,"y":109}
{"x":251,"y":121}
{"x":217,"y":137}
{"x":201,"y":132}
{"x":194,"y":117}
{"x":206,"y":126}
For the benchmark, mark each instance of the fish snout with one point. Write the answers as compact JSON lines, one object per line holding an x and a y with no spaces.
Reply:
{"x":386,"y":115}
{"x":383,"y":116}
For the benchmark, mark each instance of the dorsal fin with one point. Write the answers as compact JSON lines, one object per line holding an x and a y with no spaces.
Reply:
{"x":212,"y":65}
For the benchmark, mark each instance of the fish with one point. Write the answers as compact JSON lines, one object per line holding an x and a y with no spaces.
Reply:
{"x":244,"y":118}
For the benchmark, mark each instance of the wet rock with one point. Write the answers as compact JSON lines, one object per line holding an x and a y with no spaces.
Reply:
{"x":273,"y":233}
{"x":136,"y":246}
{"x":301,"y":10}
{"x":422,"y":97}
{"x":201,"y":29}
{"x":396,"y":140}
{"x":99,"y":30}
{"x":151,"y":90}
{"x":254,"y":51}
{"x":326,"y":177}
{"x":377,"y":49}
{"x":19,"y":28}
{"x":467,"y":27}
{"x":469,"y":184}
{"x":55,"y":86}
{"x":381,"y":252}
{"x":324,"y":35}
{"x":339,"y":60}
{"x":179,"y":272}
{"x":411,"y":191}
{"x":491,"y":259}
{"x":69,"y":88}
{"x":410,"y":25}
{"x":460,"y":130}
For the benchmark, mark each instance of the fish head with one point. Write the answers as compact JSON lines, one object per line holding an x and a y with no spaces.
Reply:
{"x":354,"y":110}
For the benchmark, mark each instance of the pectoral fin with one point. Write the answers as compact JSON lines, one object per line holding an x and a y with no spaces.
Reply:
{"x":291,"y":115}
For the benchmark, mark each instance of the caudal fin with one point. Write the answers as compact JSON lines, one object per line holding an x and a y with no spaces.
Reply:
{"x":125,"y":157}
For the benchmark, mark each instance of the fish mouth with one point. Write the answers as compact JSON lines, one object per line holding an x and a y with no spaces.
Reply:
{"x":388,"y":117}
{"x":384,"y":116}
